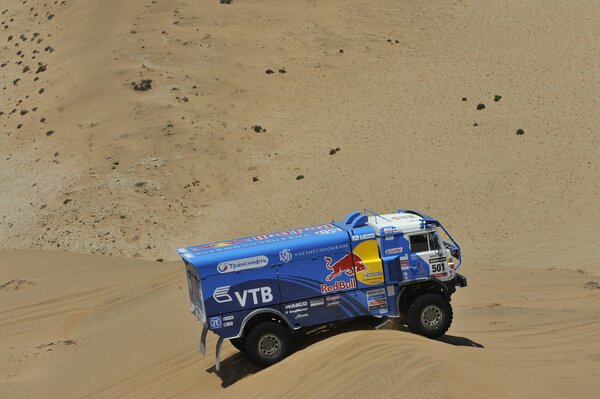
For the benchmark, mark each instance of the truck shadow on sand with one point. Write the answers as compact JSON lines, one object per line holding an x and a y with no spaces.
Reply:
{"x":237,"y":366}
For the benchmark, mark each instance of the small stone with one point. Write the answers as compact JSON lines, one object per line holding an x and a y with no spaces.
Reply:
{"x":255,"y":179}
{"x":269,"y":71}
{"x":334,"y":150}
{"x":258,"y":129}
{"x":159,"y":259}
{"x":341,"y":51}
{"x":282,"y":70}
{"x":142,"y":85}
{"x":464,"y":98}
{"x":299,"y":177}
{"x":497,"y":98}
{"x":520,"y":132}
{"x":49,"y":132}
{"x":140,"y":184}
{"x":480,"y":106}
{"x":475,"y":124}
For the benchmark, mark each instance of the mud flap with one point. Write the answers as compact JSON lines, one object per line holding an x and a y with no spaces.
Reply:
{"x":203,"y":340}
{"x":383,"y":323}
{"x":218,"y":354}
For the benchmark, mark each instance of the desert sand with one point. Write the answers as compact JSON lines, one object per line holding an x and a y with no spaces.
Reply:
{"x":132,"y":128}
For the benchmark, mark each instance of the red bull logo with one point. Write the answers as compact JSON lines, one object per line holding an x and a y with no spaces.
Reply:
{"x":345,"y":265}
{"x":338,"y":286}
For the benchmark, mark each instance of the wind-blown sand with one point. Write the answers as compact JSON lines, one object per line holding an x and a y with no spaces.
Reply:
{"x":364,"y":108}
{"x":92,"y":326}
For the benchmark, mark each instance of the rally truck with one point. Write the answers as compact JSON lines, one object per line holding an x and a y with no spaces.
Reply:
{"x":260,"y":292}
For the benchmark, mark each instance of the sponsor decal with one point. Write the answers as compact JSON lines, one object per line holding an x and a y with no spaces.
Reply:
{"x":369,"y":236}
{"x":221,"y":294}
{"x":387,"y":230}
{"x":248,"y":241}
{"x":285,"y":255}
{"x":317,"y":302}
{"x":255,"y":295}
{"x":296,"y":305}
{"x":215,"y":322}
{"x":367,"y":253}
{"x":437,"y":260}
{"x":327,"y":231}
{"x":317,"y":251}
{"x":355,"y":238}
{"x":295,"y":308}
{"x":405,"y":275}
{"x":228,"y":318}
{"x":332,"y":298}
{"x":390,"y":290}
{"x":437,"y":275}
{"x":377,"y":300}
{"x":254,"y":262}
{"x":228,"y":324}
{"x":301,"y":315}
{"x":333,"y":303}
{"x":338,"y":286}
{"x":389,"y":238}
{"x":392,"y":251}
{"x":293,"y":232}
{"x":344,"y":265}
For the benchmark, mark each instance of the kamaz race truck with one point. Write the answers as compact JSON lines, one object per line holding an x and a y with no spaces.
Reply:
{"x":259,"y":291}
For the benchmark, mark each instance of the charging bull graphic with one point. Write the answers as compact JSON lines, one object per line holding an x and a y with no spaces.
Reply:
{"x":345,"y":265}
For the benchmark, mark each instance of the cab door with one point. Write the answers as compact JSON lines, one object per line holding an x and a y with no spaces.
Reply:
{"x":427,"y":257}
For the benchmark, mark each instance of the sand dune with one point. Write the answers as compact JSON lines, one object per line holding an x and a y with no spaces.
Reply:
{"x":131,"y":128}
{"x":91,"y":326}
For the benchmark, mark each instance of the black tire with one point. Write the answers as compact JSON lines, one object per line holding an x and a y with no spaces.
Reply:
{"x":429,"y":315}
{"x":267,"y":343}
{"x":238,"y":343}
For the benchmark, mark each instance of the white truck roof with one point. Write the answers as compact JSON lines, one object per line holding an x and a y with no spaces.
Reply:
{"x":396,"y":223}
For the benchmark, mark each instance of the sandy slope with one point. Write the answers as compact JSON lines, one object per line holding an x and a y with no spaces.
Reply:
{"x":135,"y":173}
{"x":90,"y":165}
{"x":91,"y":326}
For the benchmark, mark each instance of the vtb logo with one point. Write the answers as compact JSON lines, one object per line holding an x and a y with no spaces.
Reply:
{"x":257,"y":295}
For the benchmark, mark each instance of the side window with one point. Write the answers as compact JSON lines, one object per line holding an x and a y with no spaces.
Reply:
{"x":418,"y":243}
{"x":434,"y":242}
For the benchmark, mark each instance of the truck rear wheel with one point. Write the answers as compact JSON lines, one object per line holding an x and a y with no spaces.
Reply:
{"x":267,"y":343}
{"x":429,"y":315}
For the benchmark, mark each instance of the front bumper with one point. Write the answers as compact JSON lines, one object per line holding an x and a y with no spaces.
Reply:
{"x":461,"y":280}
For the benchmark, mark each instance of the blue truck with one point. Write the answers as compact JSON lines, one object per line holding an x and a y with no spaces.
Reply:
{"x":261,"y":291}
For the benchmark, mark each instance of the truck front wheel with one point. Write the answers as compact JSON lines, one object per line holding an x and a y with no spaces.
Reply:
{"x":429,"y":315}
{"x":267,"y":343}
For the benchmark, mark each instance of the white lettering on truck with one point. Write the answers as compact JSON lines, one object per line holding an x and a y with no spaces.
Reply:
{"x":221,"y":295}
